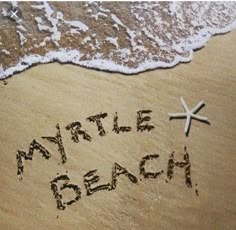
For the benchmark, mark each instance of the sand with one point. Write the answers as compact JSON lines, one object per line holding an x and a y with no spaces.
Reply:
{"x":33,"y":102}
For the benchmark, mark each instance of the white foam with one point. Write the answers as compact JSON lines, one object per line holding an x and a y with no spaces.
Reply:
{"x":21,"y":27}
{"x":22,"y":38}
{"x":6,"y":52}
{"x":113,"y":41}
{"x":117,"y":20}
{"x":78,"y":24}
{"x":182,"y":47}
{"x":4,"y":12}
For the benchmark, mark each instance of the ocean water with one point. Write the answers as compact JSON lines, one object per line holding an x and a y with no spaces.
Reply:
{"x":125,"y":37}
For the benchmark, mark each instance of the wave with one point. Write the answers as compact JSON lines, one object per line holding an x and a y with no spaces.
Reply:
{"x":125,"y":37}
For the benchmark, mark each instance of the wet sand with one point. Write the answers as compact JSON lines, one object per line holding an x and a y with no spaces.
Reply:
{"x":33,"y":102}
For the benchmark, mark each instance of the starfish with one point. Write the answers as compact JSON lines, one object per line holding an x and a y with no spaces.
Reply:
{"x":189,"y":114}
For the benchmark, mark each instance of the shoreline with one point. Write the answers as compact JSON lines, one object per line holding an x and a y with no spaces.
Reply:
{"x":106,"y":63}
{"x":129,"y":51}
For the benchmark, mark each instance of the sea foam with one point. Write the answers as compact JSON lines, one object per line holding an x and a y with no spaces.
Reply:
{"x":125,"y":37}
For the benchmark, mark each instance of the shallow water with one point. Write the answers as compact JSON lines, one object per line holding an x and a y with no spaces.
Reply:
{"x":126,"y":37}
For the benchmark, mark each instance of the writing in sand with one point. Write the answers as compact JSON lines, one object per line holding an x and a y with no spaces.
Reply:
{"x":62,"y":182}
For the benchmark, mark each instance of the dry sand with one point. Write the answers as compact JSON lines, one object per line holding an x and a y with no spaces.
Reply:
{"x":33,"y":102}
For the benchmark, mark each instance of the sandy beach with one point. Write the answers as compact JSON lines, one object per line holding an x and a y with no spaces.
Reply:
{"x":33,"y":102}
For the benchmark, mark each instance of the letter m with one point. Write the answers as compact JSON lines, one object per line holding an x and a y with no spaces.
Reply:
{"x":22,"y":156}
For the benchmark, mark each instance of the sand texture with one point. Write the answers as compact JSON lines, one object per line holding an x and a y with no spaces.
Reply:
{"x":33,"y":102}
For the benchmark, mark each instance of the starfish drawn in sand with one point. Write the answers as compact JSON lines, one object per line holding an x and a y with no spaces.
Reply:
{"x":189,"y":114}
